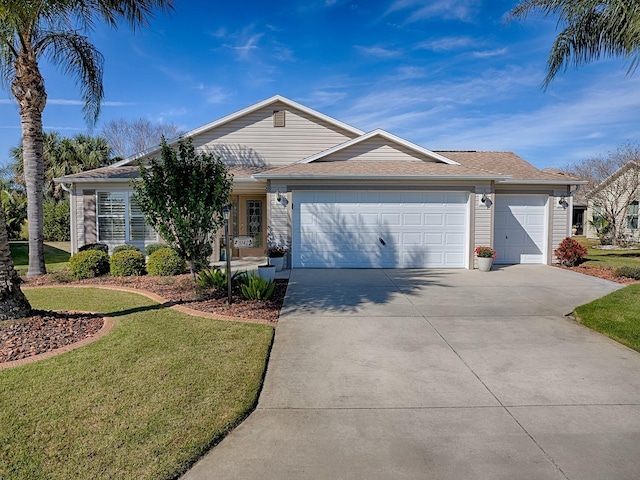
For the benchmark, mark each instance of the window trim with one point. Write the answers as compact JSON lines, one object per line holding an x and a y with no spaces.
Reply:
{"x":631,"y":217}
{"x":127,"y":219}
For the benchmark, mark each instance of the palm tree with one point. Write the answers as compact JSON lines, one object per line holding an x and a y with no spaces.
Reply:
{"x":37,"y":29}
{"x":13,"y":303}
{"x":49,"y":29}
{"x":591,"y":30}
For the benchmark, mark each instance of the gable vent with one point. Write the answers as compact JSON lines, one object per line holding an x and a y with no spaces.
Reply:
{"x":278,"y":118}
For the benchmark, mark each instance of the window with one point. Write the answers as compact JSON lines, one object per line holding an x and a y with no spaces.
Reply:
{"x":111,"y":216}
{"x":632,"y":216}
{"x":120,"y":219}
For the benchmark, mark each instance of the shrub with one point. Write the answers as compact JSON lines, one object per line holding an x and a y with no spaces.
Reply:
{"x":629,"y":272}
{"x":88,"y":264}
{"x":101,"y":247}
{"x":570,"y":252}
{"x":127,"y":263}
{"x":217,"y":279}
{"x":56,"y":221}
{"x":152,"y":247}
{"x":212,"y":278}
{"x":125,"y":247}
{"x":165,"y":262}
{"x":257,"y":288}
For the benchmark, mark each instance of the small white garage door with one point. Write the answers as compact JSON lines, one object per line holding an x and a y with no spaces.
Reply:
{"x":337,"y":229}
{"x":520,"y":228}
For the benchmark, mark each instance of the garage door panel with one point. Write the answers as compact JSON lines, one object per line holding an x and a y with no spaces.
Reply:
{"x":520,"y":228}
{"x":412,"y":219}
{"x":419,"y":229}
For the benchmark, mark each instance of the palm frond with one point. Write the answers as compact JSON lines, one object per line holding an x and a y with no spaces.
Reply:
{"x":80,"y":58}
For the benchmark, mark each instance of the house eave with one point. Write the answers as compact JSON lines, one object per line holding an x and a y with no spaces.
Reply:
{"x":379,"y":177}
{"x":512,"y":181}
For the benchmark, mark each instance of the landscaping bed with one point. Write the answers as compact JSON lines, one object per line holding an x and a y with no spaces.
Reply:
{"x":46,"y":331}
{"x":601,"y":272}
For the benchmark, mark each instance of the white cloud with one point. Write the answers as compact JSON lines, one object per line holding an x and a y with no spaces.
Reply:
{"x":490,"y":53}
{"x":462,"y":10}
{"x":446,"y":44}
{"x":379,"y":52}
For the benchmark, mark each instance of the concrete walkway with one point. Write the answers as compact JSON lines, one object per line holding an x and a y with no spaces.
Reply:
{"x":406,"y":374}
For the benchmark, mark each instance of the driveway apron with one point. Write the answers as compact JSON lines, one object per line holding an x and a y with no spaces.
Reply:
{"x":439,"y":374}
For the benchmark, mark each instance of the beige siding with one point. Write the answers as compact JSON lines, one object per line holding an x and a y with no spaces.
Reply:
{"x":89,"y":216}
{"x":374,"y":149}
{"x":253,"y":139}
{"x":279,"y":221}
{"x":483,"y":219}
{"x":560,"y":221}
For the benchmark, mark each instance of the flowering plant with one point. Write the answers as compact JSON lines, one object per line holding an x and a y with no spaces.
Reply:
{"x":486,"y":252}
{"x":276,"y":251}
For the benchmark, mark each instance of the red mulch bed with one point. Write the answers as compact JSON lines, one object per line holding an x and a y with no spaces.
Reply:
{"x":604,"y":273}
{"x":46,"y":331}
{"x":43,"y":332}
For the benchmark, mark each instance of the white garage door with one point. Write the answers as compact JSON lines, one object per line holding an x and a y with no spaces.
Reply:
{"x":520,"y":228}
{"x":337,"y":229}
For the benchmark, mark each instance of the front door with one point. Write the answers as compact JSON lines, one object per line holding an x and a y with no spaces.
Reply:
{"x":252,"y":223}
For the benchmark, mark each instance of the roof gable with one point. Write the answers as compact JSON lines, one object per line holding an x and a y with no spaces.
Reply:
{"x":277,"y":101}
{"x":364,"y":147}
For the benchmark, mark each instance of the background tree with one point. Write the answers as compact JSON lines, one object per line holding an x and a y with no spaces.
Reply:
{"x":590,"y":30}
{"x":63,"y":156}
{"x":620,"y":173}
{"x":182,"y":196}
{"x":33,"y":30}
{"x":127,"y":137}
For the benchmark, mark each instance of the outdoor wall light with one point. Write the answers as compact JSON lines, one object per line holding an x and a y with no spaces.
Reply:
{"x":563,"y":202}
{"x":485,"y":200}
{"x":278,"y":196}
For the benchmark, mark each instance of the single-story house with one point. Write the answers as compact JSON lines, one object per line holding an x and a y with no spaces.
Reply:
{"x":339,"y":197}
{"x":616,"y":197}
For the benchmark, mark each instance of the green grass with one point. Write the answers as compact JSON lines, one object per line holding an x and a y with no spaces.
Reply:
{"x":144,"y":402}
{"x":608,"y":258}
{"x":56,"y":255}
{"x":616,"y":315}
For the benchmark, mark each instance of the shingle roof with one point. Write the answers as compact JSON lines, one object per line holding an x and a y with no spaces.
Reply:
{"x":505,"y":163}
{"x":354,"y":168}
{"x":128,"y":172}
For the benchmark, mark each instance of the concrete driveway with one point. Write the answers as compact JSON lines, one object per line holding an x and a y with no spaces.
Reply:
{"x":407,"y":374}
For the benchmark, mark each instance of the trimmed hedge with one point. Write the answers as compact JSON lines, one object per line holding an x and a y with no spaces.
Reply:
{"x":165,"y":262}
{"x":127,"y":263}
{"x":95,"y":246}
{"x":125,"y":247}
{"x":152,"y":247}
{"x":629,"y":272}
{"x":88,"y":264}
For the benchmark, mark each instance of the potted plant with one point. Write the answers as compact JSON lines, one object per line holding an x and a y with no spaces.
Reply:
{"x":276,"y":256}
{"x":485,"y":258}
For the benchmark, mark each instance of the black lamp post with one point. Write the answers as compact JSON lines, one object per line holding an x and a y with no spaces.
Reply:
{"x":225,"y":214}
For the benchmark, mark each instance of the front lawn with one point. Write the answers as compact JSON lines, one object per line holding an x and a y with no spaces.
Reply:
{"x":144,"y":402}
{"x":608,"y":258}
{"x":56,"y":255}
{"x":616,"y":315}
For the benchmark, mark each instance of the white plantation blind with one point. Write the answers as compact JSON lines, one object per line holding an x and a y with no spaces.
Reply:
{"x":120,"y":219}
{"x":112,"y":207}
{"x":138,"y":228}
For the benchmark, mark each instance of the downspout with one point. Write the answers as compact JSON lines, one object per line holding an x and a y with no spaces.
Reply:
{"x":72,"y":216}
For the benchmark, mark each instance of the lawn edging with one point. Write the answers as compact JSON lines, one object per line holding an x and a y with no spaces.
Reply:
{"x":161,"y":300}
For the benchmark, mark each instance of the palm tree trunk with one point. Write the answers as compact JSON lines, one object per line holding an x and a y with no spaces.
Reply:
{"x":13,"y":303}
{"x":28,"y":88}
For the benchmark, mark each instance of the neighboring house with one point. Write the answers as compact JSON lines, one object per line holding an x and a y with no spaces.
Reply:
{"x":616,"y":197}
{"x":341,"y":197}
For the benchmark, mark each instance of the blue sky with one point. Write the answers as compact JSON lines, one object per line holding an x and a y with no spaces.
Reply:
{"x":446,"y":74}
